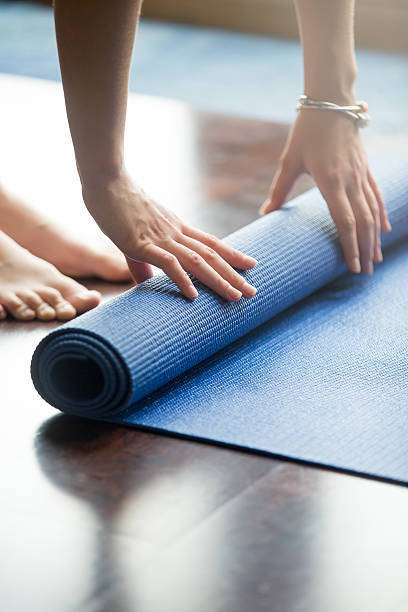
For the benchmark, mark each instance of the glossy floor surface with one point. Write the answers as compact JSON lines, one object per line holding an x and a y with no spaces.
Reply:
{"x":96,"y":517}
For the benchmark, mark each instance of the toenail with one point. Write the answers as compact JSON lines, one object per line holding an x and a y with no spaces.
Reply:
{"x":26,"y":312}
{"x":66,"y":307}
{"x":46,"y":310}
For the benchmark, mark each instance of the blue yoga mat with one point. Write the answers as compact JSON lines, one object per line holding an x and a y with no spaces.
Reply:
{"x":314,"y":367}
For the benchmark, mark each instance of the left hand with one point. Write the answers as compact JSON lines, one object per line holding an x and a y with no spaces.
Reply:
{"x":328,"y":146}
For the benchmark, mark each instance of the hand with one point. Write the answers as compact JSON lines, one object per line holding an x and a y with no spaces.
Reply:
{"x":327,"y":145}
{"x":147,"y":233}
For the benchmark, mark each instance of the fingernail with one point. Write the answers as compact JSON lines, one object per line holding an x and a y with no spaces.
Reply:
{"x":250,"y":261}
{"x":193,"y":293}
{"x":234,"y":294}
{"x":249,"y":289}
{"x":388,"y":226}
{"x":379,"y":256}
{"x":355,"y":265}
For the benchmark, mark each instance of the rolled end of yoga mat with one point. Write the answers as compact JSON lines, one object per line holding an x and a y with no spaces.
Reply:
{"x":104,"y":361}
{"x":78,"y":372}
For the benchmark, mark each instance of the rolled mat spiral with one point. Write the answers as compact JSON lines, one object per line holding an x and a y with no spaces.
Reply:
{"x":320,"y":378}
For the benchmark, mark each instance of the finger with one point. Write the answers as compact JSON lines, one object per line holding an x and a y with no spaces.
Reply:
{"x":372,"y":202}
{"x":193,"y":263}
{"x":219,"y":265}
{"x":232,"y":256}
{"x":365,"y":228}
{"x":281,"y":185}
{"x":344,"y":219}
{"x":140,"y":271}
{"x":170,"y":265}
{"x":385,"y":223}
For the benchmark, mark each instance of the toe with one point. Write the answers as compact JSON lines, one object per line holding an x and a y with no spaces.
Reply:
{"x":3,"y":312}
{"x":84,"y":300}
{"x":63,"y":309}
{"x":44,"y":311}
{"x":81,"y":298}
{"x":17,"y":308}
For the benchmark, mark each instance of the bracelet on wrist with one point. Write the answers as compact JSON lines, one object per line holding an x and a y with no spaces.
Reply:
{"x":356,"y":111}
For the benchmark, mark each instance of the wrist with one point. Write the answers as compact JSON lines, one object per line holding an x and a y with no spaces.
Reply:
{"x":102,"y":183}
{"x":327,"y":83}
{"x":99,"y":164}
{"x":99,"y":177}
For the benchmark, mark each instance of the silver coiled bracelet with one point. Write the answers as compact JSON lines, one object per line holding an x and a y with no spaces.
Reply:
{"x":357,"y":111}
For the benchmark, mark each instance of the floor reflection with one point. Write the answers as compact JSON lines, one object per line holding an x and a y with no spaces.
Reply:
{"x":169,"y":534}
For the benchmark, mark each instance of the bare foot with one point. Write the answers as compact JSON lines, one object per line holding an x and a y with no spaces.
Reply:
{"x":44,"y":238}
{"x":31,"y":288}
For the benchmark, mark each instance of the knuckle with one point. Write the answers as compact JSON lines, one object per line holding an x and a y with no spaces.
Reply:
{"x":354,"y":180}
{"x":223,"y":285}
{"x":165,"y":242}
{"x":333,"y":176}
{"x":376,"y":212}
{"x":211,"y":240}
{"x":238,"y":280}
{"x":358,"y":168}
{"x":169,"y":259}
{"x":210,"y":255}
{"x":176,"y":234}
{"x":367,"y":222}
{"x":195,"y":259}
{"x":347,"y":224}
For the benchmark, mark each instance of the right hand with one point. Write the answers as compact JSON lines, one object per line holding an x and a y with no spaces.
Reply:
{"x":328,"y":146}
{"x":149,"y":234}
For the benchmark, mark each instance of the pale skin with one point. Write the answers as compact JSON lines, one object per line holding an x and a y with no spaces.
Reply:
{"x":95,"y":41}
{"x":327,"y":145}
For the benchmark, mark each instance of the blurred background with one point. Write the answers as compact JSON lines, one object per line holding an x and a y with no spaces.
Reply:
{"x":239,"y":57}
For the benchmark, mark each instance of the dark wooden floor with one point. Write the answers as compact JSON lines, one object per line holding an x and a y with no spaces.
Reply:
{"x":97,"y":517}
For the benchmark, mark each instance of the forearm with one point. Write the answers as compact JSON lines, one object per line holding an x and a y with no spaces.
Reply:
{"x":95,"y":40}
{"x":327,"y":34}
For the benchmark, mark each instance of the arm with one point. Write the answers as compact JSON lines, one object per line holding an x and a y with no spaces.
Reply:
{"x":95,"y":41}
{"x":327,"y":145}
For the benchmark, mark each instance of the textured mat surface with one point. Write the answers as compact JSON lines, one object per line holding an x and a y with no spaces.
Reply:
{"x":321,"y":377}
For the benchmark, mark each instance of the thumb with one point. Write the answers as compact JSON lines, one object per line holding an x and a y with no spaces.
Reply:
{"x":139,"y":270}
{"x":281,"y":185}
